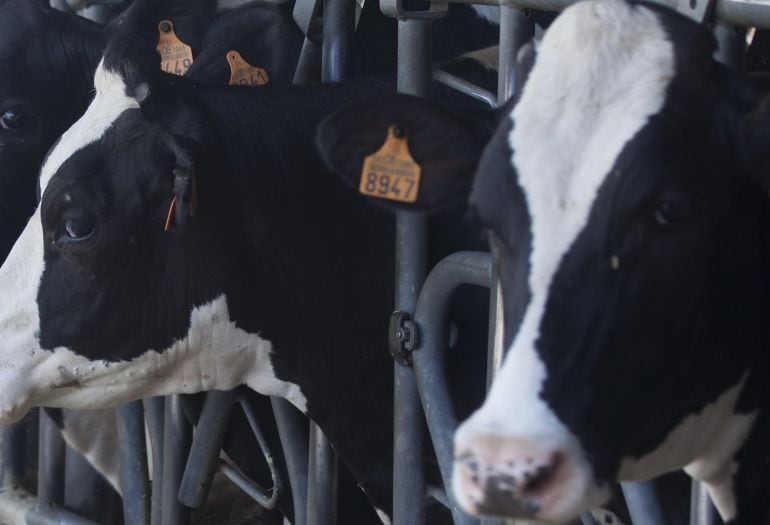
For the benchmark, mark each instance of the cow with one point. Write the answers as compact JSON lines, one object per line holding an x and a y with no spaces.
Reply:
{"x":248,"y":286}
{"x":625,"y":194}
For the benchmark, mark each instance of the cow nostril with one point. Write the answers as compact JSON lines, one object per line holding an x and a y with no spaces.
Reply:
{"x":542,"y":475}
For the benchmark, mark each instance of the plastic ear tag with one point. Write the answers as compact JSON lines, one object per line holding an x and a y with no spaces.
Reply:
{"x":244,"y":74}
{"x":391,"y":172}
{"x":176,"y":57}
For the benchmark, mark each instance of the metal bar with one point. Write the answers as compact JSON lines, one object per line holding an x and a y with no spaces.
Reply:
{"x":154,"y":410}
{"x":731,"y":47}
{"x":432,"y":317}
{"x":292,"y":426}
{"x":55,"y":516}
{"x":309,"y":64}
{"x":516,"y":28}
{"x":702,"y":510}
{"x":134,"y":482}
{"x":414,"y":76}
{"x":466,"y":88}
{"x":587,"y":519}
{"x":14,"y":439}
{"x":322,"y":486}
{"x":86,"y":492}
{"x":207,"y":443}
{"x":50,"y":471}
{"x":339,"y":25}
{"x":252,"y":488}
{"x":643,"y":503}
{"x":176,"y":444}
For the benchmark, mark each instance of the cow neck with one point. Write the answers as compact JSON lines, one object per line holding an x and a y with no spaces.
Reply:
{"x":323,"y":272}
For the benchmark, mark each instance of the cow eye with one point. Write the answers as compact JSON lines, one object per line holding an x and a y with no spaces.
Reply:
{"x":668,"y":212}
{"x":12,"y":119}
{"x":79,"y":228}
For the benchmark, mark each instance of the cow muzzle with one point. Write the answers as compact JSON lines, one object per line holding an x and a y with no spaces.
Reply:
{"x":517,"y":477}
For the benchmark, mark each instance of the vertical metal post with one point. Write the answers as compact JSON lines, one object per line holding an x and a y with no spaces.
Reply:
{"x":14,"y":438}
{"x":516,"y":28}
{"x":177,"y":436}
{"x":50,"y":472}
{"x":134,"y":481}
{"x":322,"y":487}
{"x":702,"y":511}
{"x":731,"y":45}
{"x":339,"y":25}
{"x":414,"y":66}
{"x":154,"y":410}
{"x":291,"y":429}
{"x":643,"y":503}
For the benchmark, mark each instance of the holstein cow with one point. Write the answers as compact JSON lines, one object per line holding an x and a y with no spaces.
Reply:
{"x":50,"y":58}
{"x":626,"y":199}
{"x":259,"y":280}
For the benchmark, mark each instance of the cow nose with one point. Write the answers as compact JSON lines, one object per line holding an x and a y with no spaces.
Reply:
{"x":504,"y":476}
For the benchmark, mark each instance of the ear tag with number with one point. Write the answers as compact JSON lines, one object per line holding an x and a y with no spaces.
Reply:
{"x":244,"y":74}
{"x":391,"y":172}
{"x":176,"y":57}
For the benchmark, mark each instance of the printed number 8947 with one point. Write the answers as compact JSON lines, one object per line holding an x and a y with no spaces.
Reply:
{"x":392,"y":187}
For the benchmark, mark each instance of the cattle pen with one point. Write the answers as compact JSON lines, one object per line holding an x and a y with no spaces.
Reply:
{"x":167,"y":464}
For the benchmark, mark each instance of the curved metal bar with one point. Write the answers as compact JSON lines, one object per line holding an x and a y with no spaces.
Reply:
{"x":643,"y":503}
{"x":466,"y":88}
{"x":176,"y":444}
{"x":432,"y":317}
{"x":269,"y":502}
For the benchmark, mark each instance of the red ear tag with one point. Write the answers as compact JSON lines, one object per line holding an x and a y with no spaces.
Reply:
{"x":170,"y":216}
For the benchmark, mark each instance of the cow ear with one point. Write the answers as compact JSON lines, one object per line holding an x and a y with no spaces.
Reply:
{"x":405,"y":152}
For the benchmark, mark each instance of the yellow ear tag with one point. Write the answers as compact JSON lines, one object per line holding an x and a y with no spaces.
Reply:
{"x":175,"y":56}
{"x":244,"y":74}
{"x":391,"y":172}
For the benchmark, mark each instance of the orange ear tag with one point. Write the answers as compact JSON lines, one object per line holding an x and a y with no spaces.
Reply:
{"x":175,"y":56}
{"x":244,"y":74}
{"x":391,"y":172}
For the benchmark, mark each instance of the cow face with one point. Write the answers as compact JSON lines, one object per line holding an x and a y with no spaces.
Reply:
{"x":631,"y":243}
{"x":46,"y":59}
{"x":94,"y":310}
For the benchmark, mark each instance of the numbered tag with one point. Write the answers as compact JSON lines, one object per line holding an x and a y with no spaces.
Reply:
{"x":175,"y":56}
{"x":391,"y":172}
{"x":244,"y":74}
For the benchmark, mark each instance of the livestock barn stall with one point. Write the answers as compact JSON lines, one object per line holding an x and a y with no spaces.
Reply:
{"x":177,"y":459}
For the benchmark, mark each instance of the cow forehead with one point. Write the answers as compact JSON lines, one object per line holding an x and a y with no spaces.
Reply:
{"x":602,"y":71}
{"x":109,"y":103}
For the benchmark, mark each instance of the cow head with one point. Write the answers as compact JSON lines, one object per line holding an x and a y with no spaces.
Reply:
{"x":46,"y":60}
{"x":625,"y":195}
{"x":100,"y":304}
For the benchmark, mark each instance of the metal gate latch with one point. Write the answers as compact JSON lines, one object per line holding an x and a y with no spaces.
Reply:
{"x":402,"y":337}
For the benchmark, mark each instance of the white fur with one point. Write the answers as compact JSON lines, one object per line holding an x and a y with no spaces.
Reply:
{"x":110,"y":102}
{"x":602,"y":70}
{"x":704,"y":444}
{"x":214,"y":355}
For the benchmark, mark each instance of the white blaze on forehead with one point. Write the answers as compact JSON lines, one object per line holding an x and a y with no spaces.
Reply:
{"x":602,"y":71}
{"x":108,"y":104}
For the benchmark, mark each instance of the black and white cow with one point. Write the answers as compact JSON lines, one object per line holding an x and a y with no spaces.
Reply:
{"x":626,"y":198}
{"x":256,"y":286}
